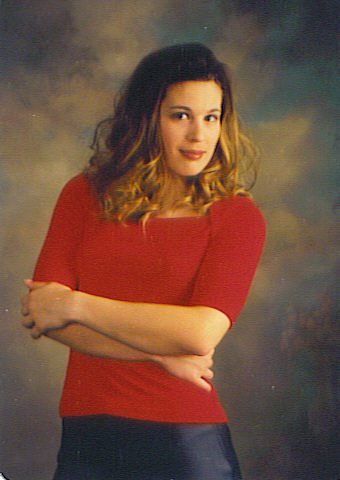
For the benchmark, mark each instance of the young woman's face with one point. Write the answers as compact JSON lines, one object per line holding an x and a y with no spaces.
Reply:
{"x":190,"y":125}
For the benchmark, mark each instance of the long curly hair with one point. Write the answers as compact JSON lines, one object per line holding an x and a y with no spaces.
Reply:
{"x":127,"y":169}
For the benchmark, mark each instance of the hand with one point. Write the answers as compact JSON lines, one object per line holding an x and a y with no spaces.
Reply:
{"x":192,"y":368}
{"x":45,"y":307}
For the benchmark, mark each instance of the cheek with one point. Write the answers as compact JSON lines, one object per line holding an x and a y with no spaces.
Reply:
{"x":215,"y":136}
{"x":169,"y":137}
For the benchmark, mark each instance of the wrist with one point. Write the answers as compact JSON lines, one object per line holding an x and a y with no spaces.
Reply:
{"x":159,"y":360}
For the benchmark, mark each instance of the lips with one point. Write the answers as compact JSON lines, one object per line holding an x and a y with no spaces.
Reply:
{"x":192,"y":154}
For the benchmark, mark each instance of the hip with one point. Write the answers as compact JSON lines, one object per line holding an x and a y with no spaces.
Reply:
{"x":105,"y":447}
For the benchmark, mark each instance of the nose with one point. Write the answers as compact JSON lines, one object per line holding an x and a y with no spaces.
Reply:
{"x":195,"y":131}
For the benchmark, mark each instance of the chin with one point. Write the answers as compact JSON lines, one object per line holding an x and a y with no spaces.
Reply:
{"x":192,"y":173}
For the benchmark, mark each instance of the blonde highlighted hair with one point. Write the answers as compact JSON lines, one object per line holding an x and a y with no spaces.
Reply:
{"x":127,"y":169}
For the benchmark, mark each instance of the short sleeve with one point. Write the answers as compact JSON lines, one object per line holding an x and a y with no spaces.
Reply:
{"x":57,"y":259}
{"x":232,"y":255}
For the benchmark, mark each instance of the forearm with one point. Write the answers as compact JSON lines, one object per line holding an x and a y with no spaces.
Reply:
{"x":148,"y":327}
{"x":53,"y":310}
{"x":152,"y":328}
{"x":196,"y":370}
{"x":87,"y":341}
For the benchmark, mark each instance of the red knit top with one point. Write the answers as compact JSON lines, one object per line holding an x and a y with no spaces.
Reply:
{"x":207,"y":260}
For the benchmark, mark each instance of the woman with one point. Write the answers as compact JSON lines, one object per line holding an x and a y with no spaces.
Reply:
{"x":147,"y":262}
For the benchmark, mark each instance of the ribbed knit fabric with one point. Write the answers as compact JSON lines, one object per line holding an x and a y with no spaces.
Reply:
{"x":206,"y":261}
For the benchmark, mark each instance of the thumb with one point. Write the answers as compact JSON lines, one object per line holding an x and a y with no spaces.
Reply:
{"x":32,"y":284}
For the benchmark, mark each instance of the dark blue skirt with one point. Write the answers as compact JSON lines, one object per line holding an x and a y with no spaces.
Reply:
{"x":102,"y":447}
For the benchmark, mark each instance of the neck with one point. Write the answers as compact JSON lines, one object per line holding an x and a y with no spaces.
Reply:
{"x":174,"y":192}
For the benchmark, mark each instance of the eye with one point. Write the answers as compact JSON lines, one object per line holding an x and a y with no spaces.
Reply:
{"x":212,"y":118}
{"x":180,"y":115}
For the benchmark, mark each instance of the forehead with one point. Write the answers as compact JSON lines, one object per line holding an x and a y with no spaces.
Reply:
{"x":196,"y":94}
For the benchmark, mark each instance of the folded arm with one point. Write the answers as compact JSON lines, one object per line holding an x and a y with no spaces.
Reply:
{"x":192,"y":368}
{"x":152,"y":328}
{"x":85,"y":340}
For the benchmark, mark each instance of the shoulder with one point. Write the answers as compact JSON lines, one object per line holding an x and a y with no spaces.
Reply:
{"x":238,"y":212}
{"x":77,"y":191}
{"x":77,"y":184}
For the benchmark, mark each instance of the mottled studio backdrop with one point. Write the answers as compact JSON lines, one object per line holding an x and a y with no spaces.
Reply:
{"x":62,"y":61}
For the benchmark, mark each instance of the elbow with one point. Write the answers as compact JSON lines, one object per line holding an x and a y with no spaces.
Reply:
{"x":212,"y":326}
{"x":205,"y":345}
{"x":203,"y":349}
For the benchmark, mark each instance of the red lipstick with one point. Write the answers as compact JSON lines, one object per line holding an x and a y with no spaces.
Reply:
{"x":192,"y":154}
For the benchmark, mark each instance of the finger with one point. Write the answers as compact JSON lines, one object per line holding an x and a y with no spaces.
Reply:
{"x":24,"y":300}
{"x":24,"y":311}
{"x":211,"y":353}
{"x":210,"y":363}
{"x":24,"y":305}
{"x":36,"y":333}
{"x":204,"y":384}
{"x":209,"y":374}
{"x":27,"y":322}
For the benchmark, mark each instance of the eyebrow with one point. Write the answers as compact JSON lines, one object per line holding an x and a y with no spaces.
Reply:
{"x":183,"y":107}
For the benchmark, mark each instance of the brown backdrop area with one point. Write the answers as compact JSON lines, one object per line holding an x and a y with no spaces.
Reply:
{"x":62,"y":62}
